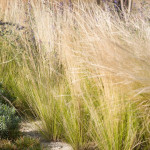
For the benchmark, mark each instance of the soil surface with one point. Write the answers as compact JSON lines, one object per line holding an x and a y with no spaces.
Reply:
{"x":30,"y":129}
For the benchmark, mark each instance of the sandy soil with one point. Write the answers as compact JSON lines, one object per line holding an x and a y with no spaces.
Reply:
{"x":30,"y":129}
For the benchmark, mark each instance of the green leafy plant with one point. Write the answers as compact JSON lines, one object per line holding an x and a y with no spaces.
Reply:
{"x":9,"y":122}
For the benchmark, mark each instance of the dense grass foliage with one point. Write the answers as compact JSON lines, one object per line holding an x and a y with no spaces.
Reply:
{"x":21,"y":143}
{"x":5,"y":96}
{"x":82,"y":70}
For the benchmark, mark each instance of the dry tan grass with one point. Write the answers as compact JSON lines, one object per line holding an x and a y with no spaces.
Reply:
{"x":85,"y":75}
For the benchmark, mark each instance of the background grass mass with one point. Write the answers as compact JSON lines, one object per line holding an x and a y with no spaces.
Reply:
{"x":82,"y":70}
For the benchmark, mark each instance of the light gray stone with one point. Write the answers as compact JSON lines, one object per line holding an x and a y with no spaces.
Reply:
{"x":56,"y":146}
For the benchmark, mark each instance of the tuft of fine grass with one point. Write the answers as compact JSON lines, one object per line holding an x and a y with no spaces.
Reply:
{"x":84,"y":72}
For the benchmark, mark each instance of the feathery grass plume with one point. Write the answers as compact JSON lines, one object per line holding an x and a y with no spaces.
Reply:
{"x":84,"y":73}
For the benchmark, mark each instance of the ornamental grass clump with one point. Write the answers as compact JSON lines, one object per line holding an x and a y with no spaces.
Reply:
{"x":84,"y":73}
